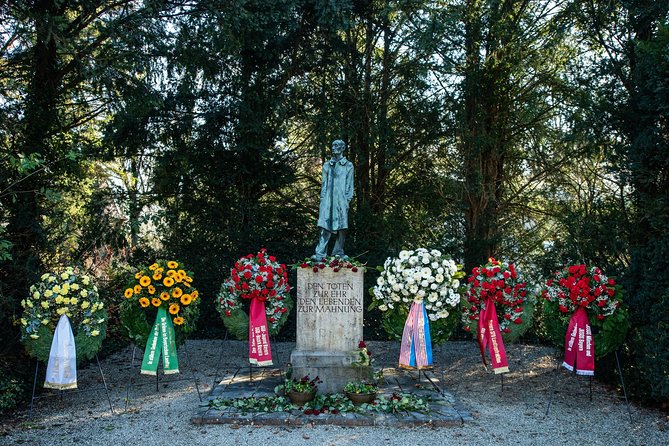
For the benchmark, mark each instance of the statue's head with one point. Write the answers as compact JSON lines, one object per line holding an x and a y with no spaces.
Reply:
{"x":338,"y":147}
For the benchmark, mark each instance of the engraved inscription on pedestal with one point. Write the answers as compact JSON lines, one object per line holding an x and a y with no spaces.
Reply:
{"x":329,"y":310}
{"x":329,"y":326}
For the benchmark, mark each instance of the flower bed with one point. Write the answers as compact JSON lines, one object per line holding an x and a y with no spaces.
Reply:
{"x":326,"y":404}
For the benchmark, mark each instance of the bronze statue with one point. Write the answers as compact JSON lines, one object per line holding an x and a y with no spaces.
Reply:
{"x":336,"y":194}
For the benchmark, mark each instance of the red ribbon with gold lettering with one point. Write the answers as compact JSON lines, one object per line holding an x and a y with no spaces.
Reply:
{"x":260,"y":352}
{"x":490,"y":335}
{"x":579,"y":345}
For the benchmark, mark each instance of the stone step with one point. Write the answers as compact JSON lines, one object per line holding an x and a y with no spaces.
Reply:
{"x":445,"y":409}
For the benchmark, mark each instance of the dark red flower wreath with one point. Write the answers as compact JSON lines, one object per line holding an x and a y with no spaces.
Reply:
{"x":501,"y":282}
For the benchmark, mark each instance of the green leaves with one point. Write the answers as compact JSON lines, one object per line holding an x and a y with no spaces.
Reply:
{"x":26,"y":163}
{"x":5,"y":246}
{"x":254,"y":404}
{"x":331,"y":403}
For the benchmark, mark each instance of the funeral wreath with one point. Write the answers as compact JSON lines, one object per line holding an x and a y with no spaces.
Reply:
{"x":163,"y":284}
{"x":578,"y":286}
{"x":501,"y":282}
{"x":419,"y":275}
{"x":255,"y":276}
{"x":65,"y":292}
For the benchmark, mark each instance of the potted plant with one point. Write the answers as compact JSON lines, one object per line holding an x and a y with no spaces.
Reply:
{"x":360,"y":391}
{"x":300,"y":391}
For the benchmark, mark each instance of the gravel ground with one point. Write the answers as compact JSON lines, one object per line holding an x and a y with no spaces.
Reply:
{"x":515,"y":415}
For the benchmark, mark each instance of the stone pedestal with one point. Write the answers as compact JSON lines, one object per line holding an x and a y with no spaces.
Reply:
{"x":329,"y":327}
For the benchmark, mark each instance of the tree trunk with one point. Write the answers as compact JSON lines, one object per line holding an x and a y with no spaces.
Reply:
{"x":41,"y":117}
{"x":483,"y":140}
{"x":134,"y":207}
{"x":386,"y":140}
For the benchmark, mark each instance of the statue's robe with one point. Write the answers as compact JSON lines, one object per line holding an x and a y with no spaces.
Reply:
{"x":336,"y":194}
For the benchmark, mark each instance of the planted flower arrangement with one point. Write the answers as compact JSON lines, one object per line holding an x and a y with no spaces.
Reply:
{"x":360,"y":387}
{"x":299,"y":391}
{"x":326,"y":404}
{"x":360,"y":392}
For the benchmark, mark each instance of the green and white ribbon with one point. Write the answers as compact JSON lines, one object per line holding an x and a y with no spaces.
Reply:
{"x":161,"y":339}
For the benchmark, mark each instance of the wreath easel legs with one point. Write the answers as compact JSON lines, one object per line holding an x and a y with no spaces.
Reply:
{"x":60,"y":392}
{"x":620,"y":376}
{"x":132,"y":381}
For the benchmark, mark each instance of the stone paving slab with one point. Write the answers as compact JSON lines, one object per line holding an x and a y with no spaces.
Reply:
{"x":445,"y":409}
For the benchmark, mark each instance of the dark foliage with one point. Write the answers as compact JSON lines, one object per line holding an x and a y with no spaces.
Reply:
{"x":196,"y":130}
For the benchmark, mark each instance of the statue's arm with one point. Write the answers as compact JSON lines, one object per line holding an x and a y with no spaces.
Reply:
{"x":349,"y":184}
{"x":324,"y":182}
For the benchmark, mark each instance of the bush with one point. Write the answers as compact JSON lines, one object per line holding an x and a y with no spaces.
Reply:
{"x":646,"y":359}
{"x":12,"y":391}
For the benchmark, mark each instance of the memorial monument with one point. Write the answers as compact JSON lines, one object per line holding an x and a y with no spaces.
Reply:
{"x":336,"y":194}
{"x":330,"y":300}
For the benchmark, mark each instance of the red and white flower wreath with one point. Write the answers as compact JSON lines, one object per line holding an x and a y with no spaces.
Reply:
{"x":501,"y":282}
{"x":260,"y":277}
{"x":577,"y":286}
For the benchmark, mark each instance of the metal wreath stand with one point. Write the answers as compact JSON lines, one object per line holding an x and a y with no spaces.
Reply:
{"x":590,"y":379}
{"x":77,"y":390}
{"x":132,"y":381}
{"x":252,"y":367}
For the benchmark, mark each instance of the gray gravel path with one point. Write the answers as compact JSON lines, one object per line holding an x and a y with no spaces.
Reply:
{"x":514,"y":416}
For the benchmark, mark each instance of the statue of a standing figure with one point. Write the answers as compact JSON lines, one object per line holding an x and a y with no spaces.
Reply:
{"x":336,"y":194}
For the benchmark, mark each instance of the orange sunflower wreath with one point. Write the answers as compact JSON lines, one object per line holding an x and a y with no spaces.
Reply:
{"x":163,"y":284}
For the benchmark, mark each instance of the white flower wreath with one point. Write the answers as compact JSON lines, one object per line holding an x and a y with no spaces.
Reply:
{"x":421,"y":276}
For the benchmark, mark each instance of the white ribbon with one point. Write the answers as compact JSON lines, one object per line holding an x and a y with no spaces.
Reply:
{"x":61,"y":371}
